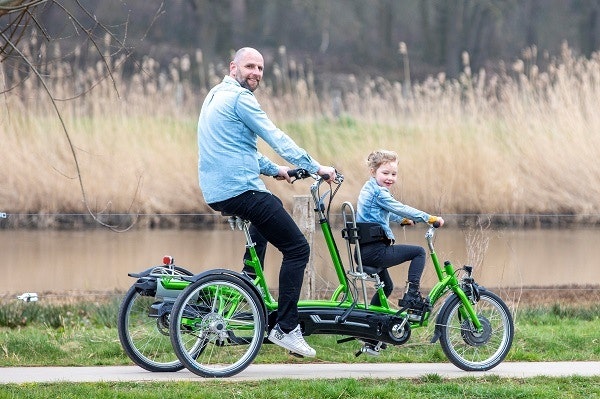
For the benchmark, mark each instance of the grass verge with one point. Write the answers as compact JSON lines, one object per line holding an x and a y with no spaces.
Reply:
{"x":85,"y":334}
{"x":425,"y":387}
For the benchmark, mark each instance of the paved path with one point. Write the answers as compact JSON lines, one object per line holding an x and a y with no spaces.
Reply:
{"x":298,"y":371}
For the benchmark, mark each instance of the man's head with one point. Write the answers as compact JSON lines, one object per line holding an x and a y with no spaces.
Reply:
{"x":247,"y":68}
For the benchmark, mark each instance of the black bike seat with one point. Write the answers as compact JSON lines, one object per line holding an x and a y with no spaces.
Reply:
{"x":372,"y":269}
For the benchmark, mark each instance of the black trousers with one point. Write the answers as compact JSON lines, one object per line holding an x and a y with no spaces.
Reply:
{"x":270,"y":219}
{"x":379,"y":254}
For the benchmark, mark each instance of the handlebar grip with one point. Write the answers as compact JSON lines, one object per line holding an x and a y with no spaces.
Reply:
{"x":298,"y":173}
{"x":436,"y":224}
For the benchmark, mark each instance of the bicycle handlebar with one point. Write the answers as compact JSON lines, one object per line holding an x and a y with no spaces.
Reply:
{"x":430,"y":233}
{"x":298,"y":173}
{"x":301,"y":173}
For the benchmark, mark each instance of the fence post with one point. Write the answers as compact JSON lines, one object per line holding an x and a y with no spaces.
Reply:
{"x":304,"y":216}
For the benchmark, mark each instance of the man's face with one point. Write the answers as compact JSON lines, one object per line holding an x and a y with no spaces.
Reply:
{"x":248,"y":71}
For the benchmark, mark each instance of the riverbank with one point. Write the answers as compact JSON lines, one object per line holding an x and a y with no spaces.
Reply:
{"x":208,"y":221}
{"x":558,"y":296}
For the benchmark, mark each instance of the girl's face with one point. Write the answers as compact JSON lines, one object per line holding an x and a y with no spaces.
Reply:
{"x":386,"y":174}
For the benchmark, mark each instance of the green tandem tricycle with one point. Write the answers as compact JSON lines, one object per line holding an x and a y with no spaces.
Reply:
{"x":215,"y":322}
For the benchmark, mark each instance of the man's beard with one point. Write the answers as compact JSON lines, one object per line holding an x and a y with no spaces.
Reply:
{"x":244,"y":83}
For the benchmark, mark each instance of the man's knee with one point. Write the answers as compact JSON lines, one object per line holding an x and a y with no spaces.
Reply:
{"x":299,"y":251}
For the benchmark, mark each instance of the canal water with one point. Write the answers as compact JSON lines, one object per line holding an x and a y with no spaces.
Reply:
{"x":99,"y":260}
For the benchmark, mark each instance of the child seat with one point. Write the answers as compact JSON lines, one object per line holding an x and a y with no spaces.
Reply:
{"x":356,"y":234}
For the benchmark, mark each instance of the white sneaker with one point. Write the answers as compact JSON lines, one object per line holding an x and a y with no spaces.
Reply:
{"x":292,"y":341}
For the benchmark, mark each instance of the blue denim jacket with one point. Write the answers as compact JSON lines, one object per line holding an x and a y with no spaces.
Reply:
{"x":229,"y":163}
{"x":377,"y":205}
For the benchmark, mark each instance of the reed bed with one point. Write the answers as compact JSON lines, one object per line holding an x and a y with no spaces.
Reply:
{"x":521,"y":141}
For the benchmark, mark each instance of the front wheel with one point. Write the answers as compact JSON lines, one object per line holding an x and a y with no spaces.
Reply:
{"x":217,"y":326}
{"x":473,"y":350}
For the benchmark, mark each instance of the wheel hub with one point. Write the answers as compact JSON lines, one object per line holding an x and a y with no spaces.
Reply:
{"x":474,"y":337}
{"x":214,"y":324}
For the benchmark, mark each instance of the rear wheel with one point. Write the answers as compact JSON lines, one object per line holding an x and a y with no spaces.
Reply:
{"x":218,"y":326}
{"x":473,"y":350}
{"x":145,"y":339}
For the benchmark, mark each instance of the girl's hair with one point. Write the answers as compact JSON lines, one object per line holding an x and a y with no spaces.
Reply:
{"x":379,"y":157}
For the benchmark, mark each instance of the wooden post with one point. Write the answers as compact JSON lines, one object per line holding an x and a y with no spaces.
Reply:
{"x":304,"y":216}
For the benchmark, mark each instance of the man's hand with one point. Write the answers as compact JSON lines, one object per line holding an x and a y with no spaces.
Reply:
{"x":327,"y":170}
{"x":283,"y":175}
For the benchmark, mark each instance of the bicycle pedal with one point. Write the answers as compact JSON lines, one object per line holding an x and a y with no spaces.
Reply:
{"x":370,"y":350}
{"x":299,"y":356}
{"x":414,"y":317}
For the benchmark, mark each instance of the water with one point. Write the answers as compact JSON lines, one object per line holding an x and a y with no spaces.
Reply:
{"x":99,"y":260}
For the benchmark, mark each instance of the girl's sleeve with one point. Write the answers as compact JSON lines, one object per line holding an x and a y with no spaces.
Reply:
{"x":399,"y":211}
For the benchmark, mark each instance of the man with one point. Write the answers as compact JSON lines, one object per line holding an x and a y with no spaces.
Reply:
{"x":229,"y":169}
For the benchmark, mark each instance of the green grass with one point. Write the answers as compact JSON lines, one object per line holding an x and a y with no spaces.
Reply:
{"x":425,"y":387}
{"x":86,"y":335}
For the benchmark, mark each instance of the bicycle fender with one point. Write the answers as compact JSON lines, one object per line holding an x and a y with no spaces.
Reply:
{"x":196,"y":277}
{"x":438,"y":320}
{"x":437,"y":332}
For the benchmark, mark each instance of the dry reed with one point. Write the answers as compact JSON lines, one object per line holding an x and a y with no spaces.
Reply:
{"x":520,"y":141}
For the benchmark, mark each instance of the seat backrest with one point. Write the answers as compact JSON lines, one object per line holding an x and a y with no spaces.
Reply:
{"x":364,"y":232}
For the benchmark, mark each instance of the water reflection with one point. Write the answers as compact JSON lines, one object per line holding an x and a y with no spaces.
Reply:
{"x":99,"y":260}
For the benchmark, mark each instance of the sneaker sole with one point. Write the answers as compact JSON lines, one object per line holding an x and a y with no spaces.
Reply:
{"x":281,"y":344}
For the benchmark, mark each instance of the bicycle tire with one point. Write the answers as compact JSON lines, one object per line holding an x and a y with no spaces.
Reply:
{"x":463,"y":346}
{"x":217,"y":326}
{"x":141,"y":337}
{"x":145,"y":339}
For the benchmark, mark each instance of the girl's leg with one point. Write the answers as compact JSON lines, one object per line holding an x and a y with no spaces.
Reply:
{"x":381,"y":255}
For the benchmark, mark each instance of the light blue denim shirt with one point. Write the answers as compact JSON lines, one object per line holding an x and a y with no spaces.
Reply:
{"x":377,"y":205}
{"x":230,"y":123}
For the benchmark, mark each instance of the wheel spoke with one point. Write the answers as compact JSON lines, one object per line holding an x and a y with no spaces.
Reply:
{"x":469,"y":348}
{"x":216,"y":350}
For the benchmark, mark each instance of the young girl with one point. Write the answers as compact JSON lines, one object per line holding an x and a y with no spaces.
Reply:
{"x":377,"y":205}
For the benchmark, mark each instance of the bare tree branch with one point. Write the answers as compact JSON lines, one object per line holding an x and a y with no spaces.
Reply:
{"x":21,"y":13}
